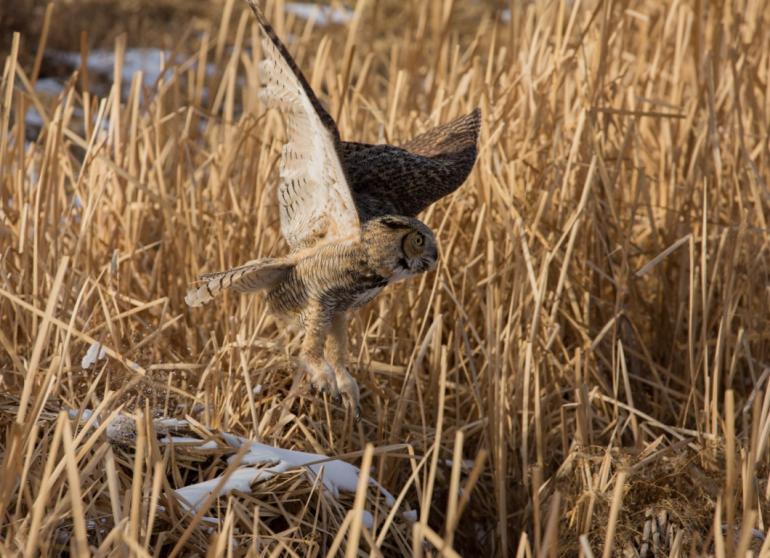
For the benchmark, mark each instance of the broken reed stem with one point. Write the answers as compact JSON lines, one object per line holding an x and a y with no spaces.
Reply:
{"x":615,"y":504}
{"x":550,"y":541}
{"x":730,"y":467}
{"x":356,"y":524}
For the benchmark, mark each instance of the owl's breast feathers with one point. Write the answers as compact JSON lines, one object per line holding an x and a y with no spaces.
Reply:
{"x":338,"y":277}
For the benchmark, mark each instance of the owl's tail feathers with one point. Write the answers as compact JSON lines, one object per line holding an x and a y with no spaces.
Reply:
{"x":250,"y":277}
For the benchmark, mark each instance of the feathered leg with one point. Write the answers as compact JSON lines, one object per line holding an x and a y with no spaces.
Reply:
{"x":317,"y":320}
{"x":337,"y":354}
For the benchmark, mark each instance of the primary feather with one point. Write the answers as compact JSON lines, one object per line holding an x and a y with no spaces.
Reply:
{"x":315,"y":199}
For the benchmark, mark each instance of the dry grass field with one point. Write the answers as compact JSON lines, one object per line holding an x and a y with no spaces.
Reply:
{"x":587,"y":372}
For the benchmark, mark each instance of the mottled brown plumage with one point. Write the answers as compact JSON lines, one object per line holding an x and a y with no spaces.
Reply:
{"x":405,"y":180}
{"x":347,"y":212}
{"x":317,"y":288}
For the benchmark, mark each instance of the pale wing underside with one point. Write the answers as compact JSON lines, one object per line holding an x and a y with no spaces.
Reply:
{"x":315,"y":199}
{"x":249,"y":277}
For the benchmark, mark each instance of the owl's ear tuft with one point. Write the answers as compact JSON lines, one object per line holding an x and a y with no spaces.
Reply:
{"x":393,"y":223}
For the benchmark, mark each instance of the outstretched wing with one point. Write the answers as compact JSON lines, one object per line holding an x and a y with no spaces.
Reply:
{"x":249,"y":277}
{"x":405,"y":180}
{"x":315,"y":199}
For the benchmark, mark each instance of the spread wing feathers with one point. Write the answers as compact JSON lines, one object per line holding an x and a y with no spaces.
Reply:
{"x":405,"y":180}
{"x":453,"y":137}
{"x":253,"y":276}
{"x":314,"y":196}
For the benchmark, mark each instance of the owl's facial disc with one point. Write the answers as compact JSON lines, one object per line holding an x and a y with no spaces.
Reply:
{"x":400,"y":247}
{"x":419,"y":250}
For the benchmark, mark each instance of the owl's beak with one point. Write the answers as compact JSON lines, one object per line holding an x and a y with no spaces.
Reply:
{"x":432,"y":258}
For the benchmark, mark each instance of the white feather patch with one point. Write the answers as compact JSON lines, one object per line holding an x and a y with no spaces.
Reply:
{"x":315,"y":198}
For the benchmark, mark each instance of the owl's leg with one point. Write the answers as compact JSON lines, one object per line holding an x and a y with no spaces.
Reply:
{"x":337,"y":353}
{"x":317,"y":321}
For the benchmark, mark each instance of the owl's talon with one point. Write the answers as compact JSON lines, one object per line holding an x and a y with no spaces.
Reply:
{"x":349,"y":390}
{"x":321,"y":379}
{"x":357,"y":416}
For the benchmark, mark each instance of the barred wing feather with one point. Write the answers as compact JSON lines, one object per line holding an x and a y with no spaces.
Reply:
{"x":315,"y":200}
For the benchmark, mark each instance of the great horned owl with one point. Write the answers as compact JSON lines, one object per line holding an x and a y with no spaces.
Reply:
{"x":347,"y":212}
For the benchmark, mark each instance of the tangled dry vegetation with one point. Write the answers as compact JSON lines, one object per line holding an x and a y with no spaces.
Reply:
{"x":586,"y":373}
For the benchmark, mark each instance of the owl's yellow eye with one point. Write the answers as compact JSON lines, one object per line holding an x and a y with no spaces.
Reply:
{"x":413,"y":244}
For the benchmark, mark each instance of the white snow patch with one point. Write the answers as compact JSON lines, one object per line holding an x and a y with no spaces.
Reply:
{"x":337,"y":475}
{"x":188,"y":440}
{"x":260,"y":462}
{"x":180,"y":440}
{"x":323,"y":15}
{"x":33,"y":119}
{"x":195,"y":495}
{"x":49,"y":86}
{"x":257,"y":390}
{"x":84,"y":416}
{"x":171,"y":423}
{"x":150,"y":61}
{"x":95,"y":352}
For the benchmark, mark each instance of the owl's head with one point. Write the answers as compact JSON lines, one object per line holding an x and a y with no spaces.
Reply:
{"x":399,"y":247}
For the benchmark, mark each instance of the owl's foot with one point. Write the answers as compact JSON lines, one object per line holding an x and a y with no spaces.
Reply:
{"x":322,"y":379}
{"x":349,"y":390}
